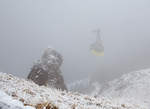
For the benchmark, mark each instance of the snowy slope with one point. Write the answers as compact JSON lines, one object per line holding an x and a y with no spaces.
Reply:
{"x":134,"y":87}
{"x":31,"y":94}
{"x":83,"y":86}
{"x":6,"y":102}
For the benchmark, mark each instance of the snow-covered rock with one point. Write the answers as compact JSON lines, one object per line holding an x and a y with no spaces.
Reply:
{"x":133,"y":87}
{"x":46,"y":71}
{"x":30,"y":94}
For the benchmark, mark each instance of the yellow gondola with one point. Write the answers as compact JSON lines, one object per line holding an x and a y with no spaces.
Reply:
{"x":97,"y":53}
{"x":97,"y":48}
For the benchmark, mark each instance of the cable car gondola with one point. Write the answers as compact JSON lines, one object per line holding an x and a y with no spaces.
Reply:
{"x":97,"y":47}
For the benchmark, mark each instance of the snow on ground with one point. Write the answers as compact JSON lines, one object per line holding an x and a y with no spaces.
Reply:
{"x":31,"y":94}
{"x":83,"y":86}
{"x":6,"y":102}
{"x":134,"y":87}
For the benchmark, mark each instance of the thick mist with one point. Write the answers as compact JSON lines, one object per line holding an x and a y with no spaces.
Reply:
{"x":27,"y":27}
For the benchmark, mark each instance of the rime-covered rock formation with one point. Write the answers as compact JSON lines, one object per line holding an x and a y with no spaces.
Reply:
{"x":47,"y":70}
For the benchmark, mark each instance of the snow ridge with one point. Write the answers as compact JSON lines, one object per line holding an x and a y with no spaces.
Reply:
{"x":133,"y":86}
{"x":31,"y":94}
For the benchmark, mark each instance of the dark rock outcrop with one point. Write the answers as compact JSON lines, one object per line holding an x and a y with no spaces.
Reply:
{"x":47,"y":70}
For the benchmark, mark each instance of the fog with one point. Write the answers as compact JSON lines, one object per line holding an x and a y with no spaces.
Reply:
{"x":27,"y":27}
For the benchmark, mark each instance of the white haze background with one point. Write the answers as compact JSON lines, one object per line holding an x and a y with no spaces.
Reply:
{"x":27,"y":27}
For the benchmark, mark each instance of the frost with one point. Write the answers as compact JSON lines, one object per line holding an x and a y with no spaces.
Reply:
{"x":47,"y":70}
{"x":31,"y":94}
{"x":6,"y":102}
{"x":133,"y":87}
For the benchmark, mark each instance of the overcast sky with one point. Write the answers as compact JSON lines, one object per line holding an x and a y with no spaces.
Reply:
{"x":27,"y":27}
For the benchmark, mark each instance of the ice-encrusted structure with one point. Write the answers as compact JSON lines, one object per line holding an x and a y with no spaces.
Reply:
{"x":47,"y":70}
